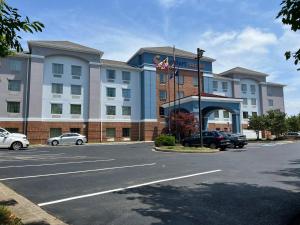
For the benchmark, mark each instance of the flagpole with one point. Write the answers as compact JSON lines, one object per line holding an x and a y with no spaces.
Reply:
{"x":169,"y":97}
{"x":175,"y":117}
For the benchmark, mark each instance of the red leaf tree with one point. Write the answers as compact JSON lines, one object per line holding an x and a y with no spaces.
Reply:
{"x":185,"y":124}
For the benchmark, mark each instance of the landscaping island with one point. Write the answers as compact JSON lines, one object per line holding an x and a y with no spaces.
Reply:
{"x":182,"y":149}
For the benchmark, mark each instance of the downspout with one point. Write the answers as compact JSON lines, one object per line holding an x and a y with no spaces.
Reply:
{"x":27,"y":96}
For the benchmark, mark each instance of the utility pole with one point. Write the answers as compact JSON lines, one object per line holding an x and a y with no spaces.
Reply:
{"x":199,"y":56}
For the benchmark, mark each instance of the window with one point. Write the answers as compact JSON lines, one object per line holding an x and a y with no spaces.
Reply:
{"x":110,"y":75}
{"x":269,"y":91}
{"x":56,"y":108}
{"x":12,"y":129}
{"x":162,"y":78}
{"x":55,"y":132}
{"x":180,"y":79}
{"x":75,"y":130}
{"x":195,"y":81}
{"x":126,"y":110}
{"x":215,"y":85}
{"x":57,"y":88}
{"x":216,"y":114}
{"x":226,"y":114}
{"x":253,"y":101}
{"x":252,"y":89}
{"x":162,"y":95}
{"x":15,"y":65}
{"x":271,"y":102}
{"x":57,"y":68}
{"x":75,"y":109}
{"x":245,"y":101}
{"x":161,"y":111}
{"x":76,"y":89}
{"x":224,"y":86}
{"x":13,"y":107}
{"x":14,"y":85}
{"x":126,"y":132}
{"x":126,"y":93}
{"x":110,"y":110}
{"x":76,"y":70}
{"x":245,"y":115}
{"x":244,"y":88}
{"x":110,"y":132}
{"x":179,"y":94}
{"x":110,"y":92}
{"x":126,"y":76}
{"x":254,"y":113}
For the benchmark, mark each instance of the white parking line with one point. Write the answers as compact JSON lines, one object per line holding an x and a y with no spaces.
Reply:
{"x":75,"y":172}
{"x":125,"y":188}
{"x":53,"y":164}
{"x":18,"y":159}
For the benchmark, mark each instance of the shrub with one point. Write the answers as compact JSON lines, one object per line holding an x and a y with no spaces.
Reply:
{"x":165,"y":140}
{"x":7,"y":218}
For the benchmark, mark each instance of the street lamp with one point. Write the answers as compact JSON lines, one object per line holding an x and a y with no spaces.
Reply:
{"x":199,"y":56}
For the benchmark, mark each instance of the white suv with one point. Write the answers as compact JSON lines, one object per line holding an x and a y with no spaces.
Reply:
{"x":13,"y":141}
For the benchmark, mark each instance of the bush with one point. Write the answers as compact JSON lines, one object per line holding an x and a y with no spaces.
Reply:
{"x":7,"y":218}
{"x":164,"y":140}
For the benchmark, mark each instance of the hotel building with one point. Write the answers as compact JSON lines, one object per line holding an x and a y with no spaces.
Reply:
{"x":60,"y":86}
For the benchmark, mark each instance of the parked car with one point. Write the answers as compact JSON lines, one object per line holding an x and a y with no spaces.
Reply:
{"x":211,"y":139}
{"x":293,"y":134}
{"x":14,"y":141}
{"x":67,"y":138}
{"x":236,"y":140}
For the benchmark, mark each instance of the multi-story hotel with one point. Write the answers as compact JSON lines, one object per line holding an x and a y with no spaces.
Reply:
{"x":59,"y":86}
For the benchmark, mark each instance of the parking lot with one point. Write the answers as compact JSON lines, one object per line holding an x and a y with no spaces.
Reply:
{"x":132,"y":184}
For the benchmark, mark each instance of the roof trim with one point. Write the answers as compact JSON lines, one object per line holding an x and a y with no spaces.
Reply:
{"x":144,"y":49}
{"x":118,"y":64}
{"x":53,"y":45}
{"x":243,"y":71}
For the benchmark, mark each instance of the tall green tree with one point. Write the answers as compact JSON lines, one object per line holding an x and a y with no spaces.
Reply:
{"x":293,"y":123}
{"x":290,"y":15}
{"x":11,"y":25}
{"x":276,"y":122}
{"x":257,"y":123}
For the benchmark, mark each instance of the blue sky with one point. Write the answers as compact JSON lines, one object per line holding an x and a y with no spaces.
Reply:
{"x":234,"y":32}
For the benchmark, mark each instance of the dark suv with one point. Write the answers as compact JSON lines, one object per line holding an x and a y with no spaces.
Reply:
{"x":212,"y":139}
{"x":236,"y":140}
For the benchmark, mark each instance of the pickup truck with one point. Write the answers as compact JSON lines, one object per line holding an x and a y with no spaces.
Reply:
{"x":14,"y":141}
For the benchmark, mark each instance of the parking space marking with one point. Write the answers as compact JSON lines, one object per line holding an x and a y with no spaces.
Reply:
{"x":76,"y":172}
{"x":53,"y":164}
{"x":126,"y":188}
{"x":26,"y":158}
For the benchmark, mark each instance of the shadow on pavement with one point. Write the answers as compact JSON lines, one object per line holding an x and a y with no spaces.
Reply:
{"x":217,"y":204}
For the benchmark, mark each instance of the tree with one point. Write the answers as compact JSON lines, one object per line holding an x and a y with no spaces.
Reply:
{"x":293,"y":123}
{"x":276,"y":122}
{"x":290,"y":15}
{"x":257,"y":123}
{"x":11,"y":23}
{"x":186,"y":124}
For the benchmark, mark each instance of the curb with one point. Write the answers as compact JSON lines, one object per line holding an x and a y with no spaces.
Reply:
{"x":24,"y":209}
{"x":157,"y":149}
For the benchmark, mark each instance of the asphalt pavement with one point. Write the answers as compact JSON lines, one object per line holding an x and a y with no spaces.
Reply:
{"x":132,"y":184}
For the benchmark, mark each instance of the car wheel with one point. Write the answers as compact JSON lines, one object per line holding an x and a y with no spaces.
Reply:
{"x":223,"y":149}
{"x":54,"y":143}
{"x":16,"y":146}
{"x":213,"y":145}
{"x":79,"y":142}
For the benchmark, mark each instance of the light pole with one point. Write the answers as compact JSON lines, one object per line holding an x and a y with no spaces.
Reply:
{"x":199,"y":56}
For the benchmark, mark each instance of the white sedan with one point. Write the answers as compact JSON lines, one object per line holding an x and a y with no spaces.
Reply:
{"x":67,"y":139}
{"x":14,"y":141}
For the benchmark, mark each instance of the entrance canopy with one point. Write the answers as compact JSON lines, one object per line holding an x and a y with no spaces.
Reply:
{"x":209,"y":103}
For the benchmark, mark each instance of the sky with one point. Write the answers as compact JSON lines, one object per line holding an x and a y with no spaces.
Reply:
{"x":234,"y":32}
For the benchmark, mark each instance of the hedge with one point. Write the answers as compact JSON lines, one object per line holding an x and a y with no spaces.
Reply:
{"x":165,"y":140}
